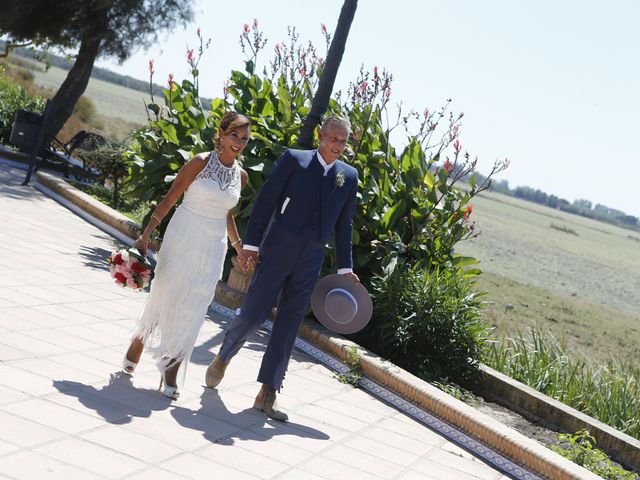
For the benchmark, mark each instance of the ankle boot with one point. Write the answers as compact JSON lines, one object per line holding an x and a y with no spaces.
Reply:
{"x":266,"y":401}
{"x":215,"y":372}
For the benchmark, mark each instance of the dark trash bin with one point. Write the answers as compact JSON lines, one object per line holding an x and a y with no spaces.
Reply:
{"x":26,"y":126}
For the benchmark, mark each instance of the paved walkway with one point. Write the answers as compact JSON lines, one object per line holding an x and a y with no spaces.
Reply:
{"x":66,"y":412}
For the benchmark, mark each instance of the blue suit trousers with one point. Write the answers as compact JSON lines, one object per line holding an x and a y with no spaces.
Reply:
{"x":289,"y":263}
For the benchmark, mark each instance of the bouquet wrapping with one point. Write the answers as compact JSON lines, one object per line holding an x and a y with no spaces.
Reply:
{"x":130,"y":269}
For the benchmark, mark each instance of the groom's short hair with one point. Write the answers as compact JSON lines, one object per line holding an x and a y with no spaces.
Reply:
{"x":335,"y":121}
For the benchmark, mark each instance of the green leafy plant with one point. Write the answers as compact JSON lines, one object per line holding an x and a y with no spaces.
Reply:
{"x":355,"y":371}
{"x":580,"y":449}
{"x":14,"y":97}
{"x":411,"y":206}
{"x":428,"y":322}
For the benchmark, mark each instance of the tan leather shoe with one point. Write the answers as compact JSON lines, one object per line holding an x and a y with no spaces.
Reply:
{"x":215,"y":372}
{"x":266,"y":401}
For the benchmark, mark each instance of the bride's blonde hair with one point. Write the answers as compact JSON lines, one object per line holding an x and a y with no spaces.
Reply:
{"x":229,"y":122}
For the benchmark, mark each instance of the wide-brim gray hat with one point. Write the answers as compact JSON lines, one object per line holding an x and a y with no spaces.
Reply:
{"x":340,"y":304}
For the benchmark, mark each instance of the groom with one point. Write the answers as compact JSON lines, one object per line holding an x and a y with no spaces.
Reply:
{"x":309,"y":195}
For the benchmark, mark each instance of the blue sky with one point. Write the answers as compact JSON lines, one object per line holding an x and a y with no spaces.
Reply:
{"x":553,"y":86}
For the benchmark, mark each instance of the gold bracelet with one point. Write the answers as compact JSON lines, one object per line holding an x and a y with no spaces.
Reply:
{"x":233,"y":244}
{"x":153,"y":215}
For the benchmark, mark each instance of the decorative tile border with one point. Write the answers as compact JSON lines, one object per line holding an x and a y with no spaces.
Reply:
{"x":500,"y":462}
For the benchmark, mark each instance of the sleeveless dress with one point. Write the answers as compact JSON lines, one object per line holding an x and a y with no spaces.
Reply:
{"x":189,"y":265}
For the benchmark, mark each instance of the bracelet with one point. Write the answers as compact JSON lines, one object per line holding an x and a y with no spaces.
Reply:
{"x":153,"y":215}
{"x":233,"y":244}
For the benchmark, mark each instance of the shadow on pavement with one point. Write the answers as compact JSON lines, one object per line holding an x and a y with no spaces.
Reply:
{"x":251,"y":423}
{"x":95,"y":257}
{"x":118,"y":401}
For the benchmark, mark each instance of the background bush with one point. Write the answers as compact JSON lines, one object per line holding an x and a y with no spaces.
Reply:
{"x":428,"y":322}
{"x":14,"y":97}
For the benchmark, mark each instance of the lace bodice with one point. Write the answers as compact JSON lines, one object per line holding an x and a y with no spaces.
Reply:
{"x":215,"y":190}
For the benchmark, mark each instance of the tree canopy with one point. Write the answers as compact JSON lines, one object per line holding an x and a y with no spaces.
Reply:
{"x":107,"y":28}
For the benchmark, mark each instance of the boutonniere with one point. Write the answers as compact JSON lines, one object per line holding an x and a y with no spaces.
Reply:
{"x":339,"y":182}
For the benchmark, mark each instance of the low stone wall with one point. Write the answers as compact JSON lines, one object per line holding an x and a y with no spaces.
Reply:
{"x":527,"y":401}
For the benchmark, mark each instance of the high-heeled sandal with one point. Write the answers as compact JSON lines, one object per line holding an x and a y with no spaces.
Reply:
{"x":128,"y":366}
{"x":168,"y":391}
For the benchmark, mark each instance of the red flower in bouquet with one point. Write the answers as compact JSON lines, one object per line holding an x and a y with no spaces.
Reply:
{"x":129,"y":269}
{"x":138,"y":268}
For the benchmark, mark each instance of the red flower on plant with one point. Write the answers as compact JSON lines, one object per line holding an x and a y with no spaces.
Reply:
{"x":323,"y":28}
{"x":171,"y":81}
{"x":255,"y":23}
{"x":467,"y":212}
{"x":151,"y":66}
{"x":190,"y":57}
{"x":448,"y":166}
{"x":246,"y":28}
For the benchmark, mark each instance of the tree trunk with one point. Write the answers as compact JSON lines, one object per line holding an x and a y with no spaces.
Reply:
{"x":325,"y":86}
{"x":73,"y":86}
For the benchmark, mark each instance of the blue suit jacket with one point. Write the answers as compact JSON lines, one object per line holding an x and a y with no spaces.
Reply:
{"x":291,"y":193}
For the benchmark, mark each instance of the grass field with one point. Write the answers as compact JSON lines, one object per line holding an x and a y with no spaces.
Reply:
{"x":110,"y":100}
{"x":576,"y":277}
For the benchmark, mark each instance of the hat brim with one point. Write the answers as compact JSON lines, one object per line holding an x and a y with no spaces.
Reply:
{"x":363,"y":299}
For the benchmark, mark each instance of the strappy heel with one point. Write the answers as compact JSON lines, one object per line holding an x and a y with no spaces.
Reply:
{"x":128,"y":366}
{"x":168,"y":391}
{"x":135,"y":349}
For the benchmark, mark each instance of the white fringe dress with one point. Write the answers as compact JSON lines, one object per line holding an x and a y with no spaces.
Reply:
{"x":189,"y":266}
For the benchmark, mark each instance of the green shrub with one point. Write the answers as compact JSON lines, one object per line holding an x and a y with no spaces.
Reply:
{"x":428,"y":322}
{"x":13,"y":97}
{"x":610,"y":392}
{"x":579,"y":448}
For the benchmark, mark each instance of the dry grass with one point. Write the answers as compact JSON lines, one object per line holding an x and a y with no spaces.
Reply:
{"x":583,"y":287}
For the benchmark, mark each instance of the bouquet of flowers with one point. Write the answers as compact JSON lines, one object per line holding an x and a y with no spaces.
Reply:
{"x":130,"y":269}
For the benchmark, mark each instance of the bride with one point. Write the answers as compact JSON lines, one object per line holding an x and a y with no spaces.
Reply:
{"x":190,"y":261}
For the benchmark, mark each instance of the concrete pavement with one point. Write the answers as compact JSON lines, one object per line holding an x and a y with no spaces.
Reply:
{"x":67,"y":412}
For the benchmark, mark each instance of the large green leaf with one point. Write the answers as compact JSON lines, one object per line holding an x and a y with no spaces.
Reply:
{"x":462,"y":261}
{"x":169,"y":132}
{"x":392,"y":215}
